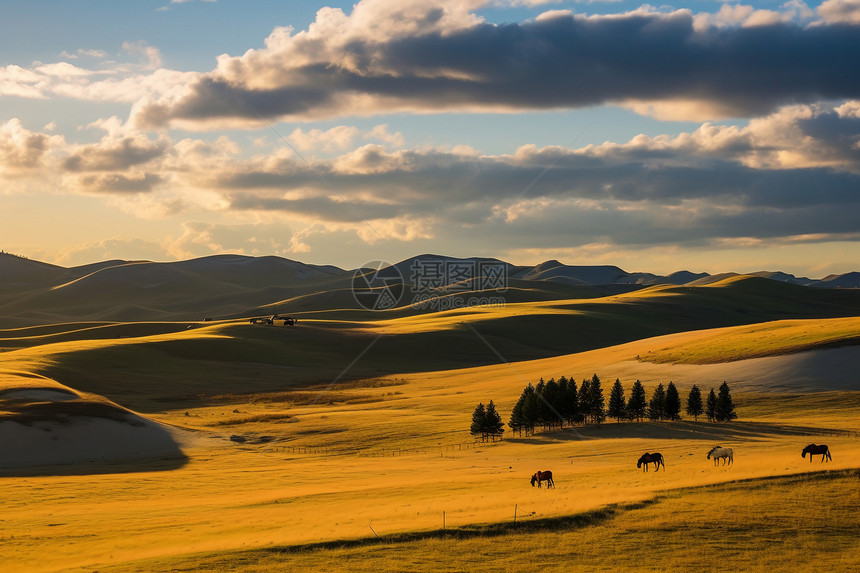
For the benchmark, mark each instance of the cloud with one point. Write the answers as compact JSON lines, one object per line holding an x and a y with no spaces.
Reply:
{"x":118,"y":183}
{"x":22,"y":150}
{"x":111,"y":82}
{"x":151,"y":54}
{"x":840,"y":11}
{"x":793,"y":173}
{"x":81,"y":52}
{"x":336,"y":138}
{"x":438,"y":56}
{"x":114,"y":154}
{"x":108,"y":249}
{"x":197,"y":239}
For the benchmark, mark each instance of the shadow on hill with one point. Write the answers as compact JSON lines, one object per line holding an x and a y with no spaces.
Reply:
{"x":719,"y":432}
{"x":101,"y":467}
{"x":81,"y":437}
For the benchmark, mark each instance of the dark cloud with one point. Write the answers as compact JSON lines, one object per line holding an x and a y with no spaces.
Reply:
{"x":574,"y":199}
{"x":324,"y":208}
{"x":21,"y":149}
{"x":557,"y":62}
{"x":114,"y":155}
{"x":121,"y":184}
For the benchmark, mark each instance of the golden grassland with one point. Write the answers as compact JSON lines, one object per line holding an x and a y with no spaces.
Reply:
{"x":340,"y":462}
{"x":807,"y":522}
{"x":758,"y":340}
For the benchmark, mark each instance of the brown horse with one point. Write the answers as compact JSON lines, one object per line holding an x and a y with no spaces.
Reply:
{"x":543,"y":476}
{"x":812,"y":450}
{"x":656,"y":458}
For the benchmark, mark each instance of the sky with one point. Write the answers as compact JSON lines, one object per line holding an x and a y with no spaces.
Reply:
{"x":704,"y":136}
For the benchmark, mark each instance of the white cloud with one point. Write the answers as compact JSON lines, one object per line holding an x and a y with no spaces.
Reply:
{"x":840,"y":11}
{"x":151,"y":54}
{"x":22,"y":151}
{"x":81,"y":52}
{"x":336,"y":138}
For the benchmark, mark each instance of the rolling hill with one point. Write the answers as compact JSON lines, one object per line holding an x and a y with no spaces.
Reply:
{"x":139,"y":436}
{"x":231,"y":286}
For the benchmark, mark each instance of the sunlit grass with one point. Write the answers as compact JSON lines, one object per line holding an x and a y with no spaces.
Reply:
{"x":808,"y":521}
{"x":393,"y":451}
{"x":758,"y":340}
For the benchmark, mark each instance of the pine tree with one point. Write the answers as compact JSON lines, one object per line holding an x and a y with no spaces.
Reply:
{"x":542,"y":410}
{"x":563,"y":403}
{"x":617,"y":403}
{"x":530,"y":409}
{"x":573,"y":408}
{"x":725,"y":410}
{"x":479,"y":422}
{"x":493,"y":422}
{"x":657,"y":405}
{"x":584,"y":398}
{"x":695,"y":407}
{"x":673,"y":402}
{"x":637,"y":404}
{"x":711,"y":406}
{"x":517,"y":421}
{"x":551,"y":402}
{"x":598,"y":404}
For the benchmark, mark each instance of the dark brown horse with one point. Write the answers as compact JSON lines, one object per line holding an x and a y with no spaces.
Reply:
{"x":543,"y":476}
{"x":813,"y":450}
{"x":656,"y":458}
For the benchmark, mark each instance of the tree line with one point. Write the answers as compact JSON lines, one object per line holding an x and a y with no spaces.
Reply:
{"x":554,"y":404}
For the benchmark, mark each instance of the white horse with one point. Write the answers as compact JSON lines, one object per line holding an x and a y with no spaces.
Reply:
{"x":720,"y":452}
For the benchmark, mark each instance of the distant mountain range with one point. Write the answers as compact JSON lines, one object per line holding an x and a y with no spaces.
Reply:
{"x":34,"y":292}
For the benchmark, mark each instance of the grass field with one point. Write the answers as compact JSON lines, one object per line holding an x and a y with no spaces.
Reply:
{"x":300,"y":446}
{"x":807,"y":522}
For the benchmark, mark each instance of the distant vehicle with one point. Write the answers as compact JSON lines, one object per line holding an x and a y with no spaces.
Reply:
{"x":270,"y":321}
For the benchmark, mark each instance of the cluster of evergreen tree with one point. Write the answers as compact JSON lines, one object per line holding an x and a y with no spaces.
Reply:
{"x":719,"y":407}
{"x":556,"y":403}
{"x":665,"y":403}
{"x":487,"y":423}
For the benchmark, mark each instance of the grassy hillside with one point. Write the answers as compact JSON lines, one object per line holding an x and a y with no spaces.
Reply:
{"x":757,"y":525}
{"x":763,"y":339}
{"x":147,"y":364}
{"x":298,"y":440}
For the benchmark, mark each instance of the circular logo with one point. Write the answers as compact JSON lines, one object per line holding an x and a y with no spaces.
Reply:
{"x":377,"y":285}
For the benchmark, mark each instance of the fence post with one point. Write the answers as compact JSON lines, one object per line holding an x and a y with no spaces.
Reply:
{"x":515,"y":512}
{"x":443,"y":520}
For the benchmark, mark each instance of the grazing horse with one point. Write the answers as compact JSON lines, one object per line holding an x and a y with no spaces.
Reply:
{"x":720,"y":452}
{"x":543,"y":476}
{"x":656,"y":458}
{"x":812,"y":449}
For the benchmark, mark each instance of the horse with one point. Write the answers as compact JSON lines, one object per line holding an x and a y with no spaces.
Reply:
{"x":718,"y":452}
{"x":812,"y":449}
{"x":543,"y":476}
{"x":656,"y":458}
